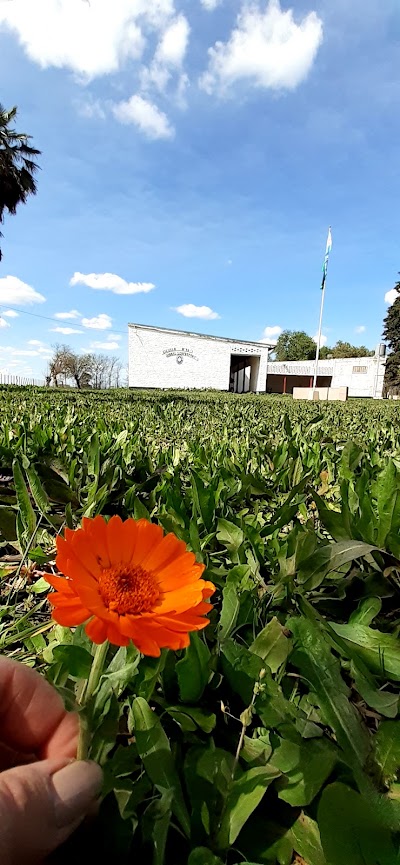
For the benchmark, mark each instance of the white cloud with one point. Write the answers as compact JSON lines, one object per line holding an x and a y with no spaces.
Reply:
{"x":11,"y":313}
{"x":173,"y":44}
{"x":110,"y":282}
{"x":145,"y":115}
{"x":267,"y":49}
{"x":190,"y":310}
{"x":324,"y":339}
{"x":390,"y":296}
{"x":65,"y":330}
{"x":37,"y":342}
{"x":3,"y":322}
{"x":90,"y":108}
{"x":65,"y":316}
{"x":168,"y":58}
{"x":13,"y":290}
{"x":99,"y":322}
{"x":271,"y":334}
{"x":210,"y":5}
{"x":360,"y":328}
{"x":115,"y":337}
{"x":28,"y":352}
{"x":110,"y":345}
{"x":91,"y":38}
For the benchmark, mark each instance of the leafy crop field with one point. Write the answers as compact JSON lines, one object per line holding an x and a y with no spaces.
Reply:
{"x":275,"y":737}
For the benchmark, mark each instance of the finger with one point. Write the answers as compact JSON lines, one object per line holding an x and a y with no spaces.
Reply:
{"x":41,"y":805}
{"x":32,"y":714}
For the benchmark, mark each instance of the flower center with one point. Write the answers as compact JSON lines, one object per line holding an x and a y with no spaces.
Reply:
{"x":129,"y":589}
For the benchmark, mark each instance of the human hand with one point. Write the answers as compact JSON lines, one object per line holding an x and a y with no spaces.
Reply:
{"x":44,"y":793}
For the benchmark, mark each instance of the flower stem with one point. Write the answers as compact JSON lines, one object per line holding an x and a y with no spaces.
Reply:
{"x":85,"y":695}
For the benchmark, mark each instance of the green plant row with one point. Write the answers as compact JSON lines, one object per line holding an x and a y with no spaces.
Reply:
{"x":275,"y":737}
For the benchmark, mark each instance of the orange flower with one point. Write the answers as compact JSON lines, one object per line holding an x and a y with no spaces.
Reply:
{"x":129,"y":581}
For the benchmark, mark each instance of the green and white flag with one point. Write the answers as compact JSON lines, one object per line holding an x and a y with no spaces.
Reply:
{"x":327,"y":253}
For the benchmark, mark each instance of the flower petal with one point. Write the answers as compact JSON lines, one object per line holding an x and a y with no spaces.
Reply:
{"x":61,"y":584}
{"x":70,"y":617}
{"x":164,"y":553}
{"x":115,"y":540}
{"x":96,"y":630}
{"x":148,"y":536}
{"x":95,"y":529}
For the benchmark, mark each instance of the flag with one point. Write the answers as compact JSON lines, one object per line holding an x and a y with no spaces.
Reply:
{"x":327,"y":252}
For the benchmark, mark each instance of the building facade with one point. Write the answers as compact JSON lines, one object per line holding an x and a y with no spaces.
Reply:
{"x":362,"y":376}
{"x":164,"y":358}
{"x":159,"y":357}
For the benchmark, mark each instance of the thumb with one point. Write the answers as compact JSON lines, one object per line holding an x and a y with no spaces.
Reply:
{"x":41,"y":804}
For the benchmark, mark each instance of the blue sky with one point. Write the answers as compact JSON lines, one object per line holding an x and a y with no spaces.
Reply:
{"x":193,"y":157}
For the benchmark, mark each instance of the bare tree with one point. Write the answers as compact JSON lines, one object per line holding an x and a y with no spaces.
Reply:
{"x":84,"y":370}
{"x":57,"y":364}
{"x":79,"y":367}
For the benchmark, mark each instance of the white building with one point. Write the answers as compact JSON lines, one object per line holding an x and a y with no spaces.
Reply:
{"x":163,"y":358}
{"x":362,"y":376}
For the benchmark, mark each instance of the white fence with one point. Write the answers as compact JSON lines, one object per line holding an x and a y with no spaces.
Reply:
{"x":19,"y":380}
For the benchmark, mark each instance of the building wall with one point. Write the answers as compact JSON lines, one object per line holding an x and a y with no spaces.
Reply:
{"x":175,"y":359}
{"x":363,"y":376}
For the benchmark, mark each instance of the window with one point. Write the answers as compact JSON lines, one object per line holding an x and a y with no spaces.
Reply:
{"x":360,"y":369}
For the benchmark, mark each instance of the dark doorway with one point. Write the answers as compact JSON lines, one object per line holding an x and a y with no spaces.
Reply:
{"x":244,"y":373}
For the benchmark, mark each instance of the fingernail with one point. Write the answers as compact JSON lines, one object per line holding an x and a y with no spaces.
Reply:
{"x":76,"y":787}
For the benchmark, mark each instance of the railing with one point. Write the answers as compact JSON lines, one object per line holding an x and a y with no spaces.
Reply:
{"x":19,"y":380}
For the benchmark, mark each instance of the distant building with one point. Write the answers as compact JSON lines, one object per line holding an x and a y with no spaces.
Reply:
{"x":164,"y":358}
{"x":362,"y":376}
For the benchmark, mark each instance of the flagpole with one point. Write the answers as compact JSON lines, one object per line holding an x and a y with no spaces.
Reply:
{"x":319,"y":338}
{"x":324,"y":275}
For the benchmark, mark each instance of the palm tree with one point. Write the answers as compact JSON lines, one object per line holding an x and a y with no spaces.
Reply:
{"x":17,"y":168}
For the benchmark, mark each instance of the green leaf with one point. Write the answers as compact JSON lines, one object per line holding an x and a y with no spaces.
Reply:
{"x":350,"y":830}
{"x":384,"y":702}
{"x":193,"y":670}
{"x":27,"y":513}
{"x":305,"y":838}
{"x":37,"y":588}
{"x":241,"y":668}
{"x":155,"y":751}
{"x":366,"y":611}
{"x":332,"y":520}
{"x":387,"y":749}
{"x":75,"y":660}
{"x":387,"y":491}
{"x":193,"y":717}
{"x":155,"y":824}
{"x":8,"y":523}
{"x":230,"y":610}
{"x":272,"y":645}
{"x":37,"y":491}
{"x":204,"y":500}
{"x":380,"y":652}
{"x":307,"y":765}
{"x":243,"y":798}
{"x":330,"y":557}
{"x":229,"y":535}
{"x":203,"y":856}
{"x":313,"y":657}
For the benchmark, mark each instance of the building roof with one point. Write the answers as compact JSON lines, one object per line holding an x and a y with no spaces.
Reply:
{"x":201,"y":335}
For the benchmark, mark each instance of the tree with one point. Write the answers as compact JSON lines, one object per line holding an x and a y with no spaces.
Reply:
{"x":345,"y":349}
{"x":17,"y":166}
{"x":295,"y":345}
{"x":391,"y":333}
{"x":79,"y":367}
{"x":83,"y":370}
{"x":58,"y":364}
